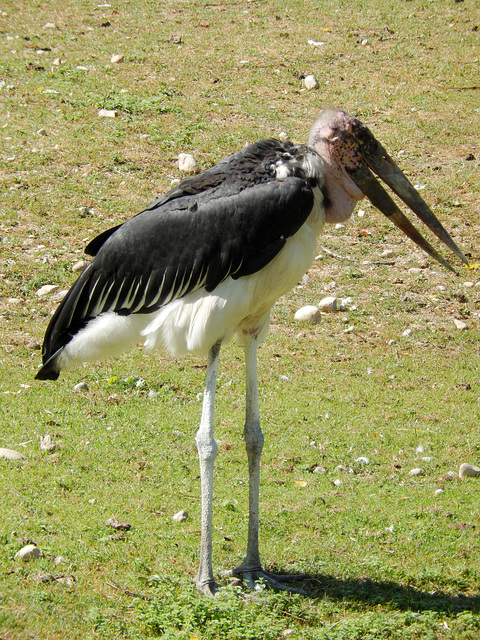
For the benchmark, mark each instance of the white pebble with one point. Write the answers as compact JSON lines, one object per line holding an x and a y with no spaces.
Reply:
{"x":337,"y":483}
{"x":284,"y":378}
{"x":80,"y":266}
{"x":107,"y":113}
{"x":439,"y":492}
{"x":329,"y":304}
{"x":116,"y":58}
{"x":363,"y":460}
{"x":47,"y":444}
{"x":319,"y":470}
{"x":468,"y":471}
{"x":310,"y":82}
{"x":407,"y":332}
{"x":42,"y":132}
{"x":339,"y":226}
{"x":308,"y":314}
{"x":420,"y":448}
{"x":187,"y":163}
{"x":415,"y":270}
{"x":460,"y":324}
{"x":30,"y":552}
{"x":316,"y":43}
{"x":415,"y":472}
{"x":46,"y":289}
{"x":10,"y":454}
{"x":283,"y":136}
{"x":181,"y":516}
{"x":388,"y":253}
{"x":81,"y":386}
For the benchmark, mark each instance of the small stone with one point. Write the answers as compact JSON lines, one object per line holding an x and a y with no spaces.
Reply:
{"x":337,"y":483}
{"x":107,"y":113}
{"x":415,"y":270}
{"x":187,"y":163}
{"x":81,"y":387}
{"x":283,"y":136}
{"x":68,"y":581}
{"x":329,"y":304}
{"x":175,"y":182}
{"x":85,"y":211}
{"x":117,"y":524}
{"x":362,"y":460}
{"x":47,"y":444}
{"x":460,"y":324}
{"x":468,"y":285}
{"x":58,"y":560}
{"x":308,"y":313}
{"x":10,"y":454}
{"x":50,"y":25}
{"x":415,"y":472}
{"x":468,"y":471}
{"x":30,"y":552}
{"x":339,"y":226}
{"x":388,"y":253}
{"x":310,"y":82}
{"x":42,"y":132}
{"x":181,"y":516}
{"x":439,"y":492}
{"x":407,"y":333}
{"x":46,"y":289}
{"x":116,"y":58}
{"x":80,"y":266}
{"x":319,"y":470}
{"x":345,"y":303}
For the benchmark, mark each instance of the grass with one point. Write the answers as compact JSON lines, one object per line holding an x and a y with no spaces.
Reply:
{"x":384,"y":555}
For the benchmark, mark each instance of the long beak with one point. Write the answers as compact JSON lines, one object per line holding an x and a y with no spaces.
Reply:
{"x":375,"y":156}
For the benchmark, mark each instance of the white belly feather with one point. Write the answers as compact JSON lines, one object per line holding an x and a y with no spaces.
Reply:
{"x":198,"y":320}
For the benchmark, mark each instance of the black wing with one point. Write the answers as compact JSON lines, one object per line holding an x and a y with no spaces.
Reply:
{"x":230,"y":220}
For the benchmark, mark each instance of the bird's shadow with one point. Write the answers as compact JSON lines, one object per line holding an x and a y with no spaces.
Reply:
{"x":396,"y":596}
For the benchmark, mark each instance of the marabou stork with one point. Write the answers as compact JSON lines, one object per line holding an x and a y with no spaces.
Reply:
{"x":210,"y":258}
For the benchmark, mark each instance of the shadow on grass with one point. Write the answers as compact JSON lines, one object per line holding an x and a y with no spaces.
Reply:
{"x":396,"y":596}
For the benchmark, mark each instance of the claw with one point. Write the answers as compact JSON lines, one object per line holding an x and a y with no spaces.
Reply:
{"x":209,"y":588}
{"x":258,"y":580}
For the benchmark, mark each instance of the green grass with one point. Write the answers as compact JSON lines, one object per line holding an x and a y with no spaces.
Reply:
{"x":383,"y":554}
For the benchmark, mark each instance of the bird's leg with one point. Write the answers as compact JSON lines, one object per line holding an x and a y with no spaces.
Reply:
{"x":250,"y":570}
{"x":207,"y":451}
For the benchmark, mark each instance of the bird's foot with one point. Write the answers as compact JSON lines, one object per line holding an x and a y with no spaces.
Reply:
{"x":207,"y":587}
{"x":258,"y":579}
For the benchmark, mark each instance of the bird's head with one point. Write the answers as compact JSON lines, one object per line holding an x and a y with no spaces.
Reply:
{"x":352,"y":156}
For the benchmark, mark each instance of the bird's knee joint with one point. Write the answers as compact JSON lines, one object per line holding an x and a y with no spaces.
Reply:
{"x":254,"y":438}
{"x":207,"y":448}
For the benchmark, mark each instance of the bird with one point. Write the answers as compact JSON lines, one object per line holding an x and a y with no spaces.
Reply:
{"x":208,"y":260}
